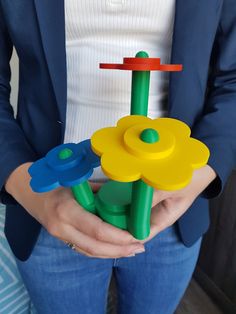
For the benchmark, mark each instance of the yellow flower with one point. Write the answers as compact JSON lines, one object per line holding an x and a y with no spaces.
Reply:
{"x":160,"y":151}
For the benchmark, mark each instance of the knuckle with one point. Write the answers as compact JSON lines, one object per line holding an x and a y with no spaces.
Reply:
{"x":99,"y":232}
{"x":61,"y":212}
{"x":168,"y":204}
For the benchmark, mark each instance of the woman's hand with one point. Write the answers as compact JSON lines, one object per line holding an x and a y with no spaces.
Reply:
{"x":60,"y":214}
{"x":170,"y":206}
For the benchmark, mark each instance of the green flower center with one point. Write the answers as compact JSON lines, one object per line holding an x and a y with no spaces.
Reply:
{"x":141,"y":54}
{"x":149,"y":136}
{"x":65,"y":153}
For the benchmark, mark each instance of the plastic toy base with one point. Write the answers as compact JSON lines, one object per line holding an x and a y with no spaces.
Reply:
{"x":115,"y":206}
{"x":113,"y":202}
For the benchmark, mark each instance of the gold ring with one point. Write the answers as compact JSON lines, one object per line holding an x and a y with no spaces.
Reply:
{"x":71,"y":245}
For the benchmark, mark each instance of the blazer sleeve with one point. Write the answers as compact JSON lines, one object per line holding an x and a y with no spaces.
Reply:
{"x":14,"y":149}
{"x":217,"y":127}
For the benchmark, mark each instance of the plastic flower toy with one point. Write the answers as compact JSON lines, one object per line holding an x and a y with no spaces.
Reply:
{"x":130,"y":206}
{"x":138,"y":155}
{"x":68,"y":165}
{"x":160,"y":152}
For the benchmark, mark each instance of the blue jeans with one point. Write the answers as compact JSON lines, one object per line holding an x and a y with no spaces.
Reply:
{"x":62,"y":281}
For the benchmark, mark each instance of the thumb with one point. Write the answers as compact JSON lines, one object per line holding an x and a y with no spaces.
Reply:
{"x":161,"y":218}
{"x":167,"y":212}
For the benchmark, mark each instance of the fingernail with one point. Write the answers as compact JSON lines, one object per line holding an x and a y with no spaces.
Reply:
{"x":140,"y":250}
{"x":130,"y":255}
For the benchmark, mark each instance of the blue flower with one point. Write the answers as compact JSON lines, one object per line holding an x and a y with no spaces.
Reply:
{"x":65,"y":165}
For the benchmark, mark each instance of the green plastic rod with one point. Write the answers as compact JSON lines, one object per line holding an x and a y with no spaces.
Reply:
{"x":82,"y":192}
{"x":140,"y":89}
{"x":142,"y":194}
{"x":84,"y":196}
{"x":140,"y":210}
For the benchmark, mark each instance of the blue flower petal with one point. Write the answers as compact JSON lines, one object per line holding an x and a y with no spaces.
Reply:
{"x":51,"y":172}
{"x":91,"y":157}
{"x":44,"y":182}
{"x":37,"y":167}
{"x":76,"y":176}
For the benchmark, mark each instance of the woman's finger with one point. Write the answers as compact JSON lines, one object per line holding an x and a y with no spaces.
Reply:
{"x":94,"y":227}
{"x":91,"y":247}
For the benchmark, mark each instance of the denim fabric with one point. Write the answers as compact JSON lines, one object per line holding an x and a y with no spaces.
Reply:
{"x":62,"y":281}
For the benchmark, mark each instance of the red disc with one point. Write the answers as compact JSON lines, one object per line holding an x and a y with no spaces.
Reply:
{"x":171,"y":67}
{"x":109,"y":66}
{"x":148,"y":61}
{"x":142,"y":64}
{"x":131,"y":66}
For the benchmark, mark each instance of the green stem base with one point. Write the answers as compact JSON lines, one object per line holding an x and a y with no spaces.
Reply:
{"x":126,"y":206}
{"x":112,"y":203}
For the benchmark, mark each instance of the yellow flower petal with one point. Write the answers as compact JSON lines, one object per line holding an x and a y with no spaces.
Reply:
{"x":105,"y":140}
{"x":197,"y":153}
{"x":120,"y":166}
{"x":171,"y":173}
{"x":177,"y":127}
{"x":166,"y":164}
{"x":128,"y":121}
{"x":168,"y":177}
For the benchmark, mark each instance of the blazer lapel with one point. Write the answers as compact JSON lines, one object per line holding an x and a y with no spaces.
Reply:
{"x":195,"y":27}
{"x":51,"y":22}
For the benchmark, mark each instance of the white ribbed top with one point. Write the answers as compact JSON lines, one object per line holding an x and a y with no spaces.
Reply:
{"x":106,"y":31}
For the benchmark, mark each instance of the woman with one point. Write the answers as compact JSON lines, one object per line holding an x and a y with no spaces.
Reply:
{"x":64,"y":97}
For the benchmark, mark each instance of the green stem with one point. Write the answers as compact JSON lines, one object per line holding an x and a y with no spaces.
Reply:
{"x":82,"y":192}
{"x":140,"y":210}
{"x":84,"y":196}
{"x":140,"y":89}
{"x":142,"y":194}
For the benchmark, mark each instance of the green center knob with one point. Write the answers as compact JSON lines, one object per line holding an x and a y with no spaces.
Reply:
{"x":142,"y":54}
{"x":65,"y":153}
{"x":149,"y":136}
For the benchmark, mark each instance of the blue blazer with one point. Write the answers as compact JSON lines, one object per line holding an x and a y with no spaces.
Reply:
{"x":204,"y":38}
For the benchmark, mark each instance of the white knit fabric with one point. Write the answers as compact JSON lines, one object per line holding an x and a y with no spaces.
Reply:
{"x":106,"y":31}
